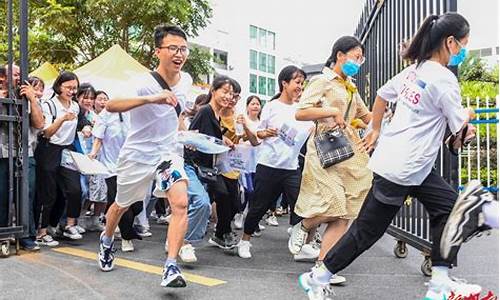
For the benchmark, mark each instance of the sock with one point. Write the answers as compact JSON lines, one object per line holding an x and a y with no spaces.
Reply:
{"x":107,"y":241}
{"x":439,"y":273}
{"x":170,"y":261}
{"x":490,"y":211}
{"x":321,"y":274}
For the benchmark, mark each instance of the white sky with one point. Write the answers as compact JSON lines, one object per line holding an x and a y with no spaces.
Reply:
{"x":307,"y":29}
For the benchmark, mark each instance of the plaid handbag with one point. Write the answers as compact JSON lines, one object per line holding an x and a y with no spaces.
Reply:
{"x":333,"y":146}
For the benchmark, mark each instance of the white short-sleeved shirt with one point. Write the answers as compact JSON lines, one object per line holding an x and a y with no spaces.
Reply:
{"x":153,"y":127}
{"x":65,"y":135}
{"x":428,"y":99}
{"x":112,"y":130}
{"x":282,"y":152}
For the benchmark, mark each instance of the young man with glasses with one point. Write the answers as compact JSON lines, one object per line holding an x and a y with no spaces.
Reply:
{"x":149,"y":150}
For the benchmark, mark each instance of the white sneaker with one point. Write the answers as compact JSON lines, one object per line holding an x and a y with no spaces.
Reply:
{"x":72,"y":233}
{"x":187,"y":255}
{"x":314,"y":289}
{"x":127,"y":246}
{"x":289,"y":230}
{"x":272,"y":221}
{"x":337,"y":279}
{"x":244,"y":249}
{"x":262,"y":227}
{"x":144,"y":232}
{"x":47,"y":240}
{"x":118,"y":234}
{"x":442,"y":289}
{"x":81,"y":230}
{"x":238,"y":221}
{"x":308,"y":253}
{"x":297,"y":239}
{"x":162,"y":219}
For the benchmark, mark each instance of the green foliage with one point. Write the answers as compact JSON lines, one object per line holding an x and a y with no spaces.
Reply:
{"x":474,"y":69}
{"x":198,"y":63}
{"x":481,"y":89}
{"x":484,"y":176}
{"x":71,"y":33}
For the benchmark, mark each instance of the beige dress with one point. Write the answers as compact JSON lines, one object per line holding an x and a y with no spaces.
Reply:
{"x":337,"y":191}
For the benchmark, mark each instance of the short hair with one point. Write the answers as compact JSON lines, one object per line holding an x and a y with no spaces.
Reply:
{"x":3,"y":71}
{"x":162,"y":31}
{"x":62,"y":78}
{"x":98,"y":92}
{"x":236,"y":86}
{"x":86,"y":90}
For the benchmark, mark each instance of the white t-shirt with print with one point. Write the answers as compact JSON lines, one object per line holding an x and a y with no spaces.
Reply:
{"x":428,"y":99}
{"x":282,"y":152}
{"x":153,"y":127}
{"x":112,"y":131}
{"x":65,"y":135}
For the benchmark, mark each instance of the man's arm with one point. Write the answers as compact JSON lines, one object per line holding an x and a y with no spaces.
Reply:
{"x":126,"y":104}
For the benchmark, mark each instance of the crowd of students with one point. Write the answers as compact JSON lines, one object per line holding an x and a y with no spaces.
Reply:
{"x":152,"y":174}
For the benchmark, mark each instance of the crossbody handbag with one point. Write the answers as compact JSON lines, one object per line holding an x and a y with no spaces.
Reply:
{"x":333,"y":146}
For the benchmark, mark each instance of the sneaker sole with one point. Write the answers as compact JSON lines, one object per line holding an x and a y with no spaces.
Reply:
{"x":455,"y":221}
{"x":72,"y":238}
{"x":178,"y":282}
{"x":213,"y":243}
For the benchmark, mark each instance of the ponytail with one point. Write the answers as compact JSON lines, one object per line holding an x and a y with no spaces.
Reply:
{"x":431,"y":34}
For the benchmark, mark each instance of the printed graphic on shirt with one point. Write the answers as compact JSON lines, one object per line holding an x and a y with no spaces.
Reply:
{"x":411,"y":92}
{"x":165,"y":176}
{"x":287,"y":134}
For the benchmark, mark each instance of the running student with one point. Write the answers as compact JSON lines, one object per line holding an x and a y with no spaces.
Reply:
{"x":149,"y":150}
{"x":428,"y":100}
{"x":277,"y":170}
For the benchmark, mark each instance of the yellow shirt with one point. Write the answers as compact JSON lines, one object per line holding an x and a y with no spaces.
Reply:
{"x":228,"y":126}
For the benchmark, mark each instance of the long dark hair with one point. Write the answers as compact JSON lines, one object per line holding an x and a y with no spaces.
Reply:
{"x":287,"y":74}
{"x":344,"y":45}
{"x":432,"y":32}
{"x":219,"y":81}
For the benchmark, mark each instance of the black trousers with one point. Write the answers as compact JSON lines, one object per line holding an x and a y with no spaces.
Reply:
{"x":269,"y":184}
{"x":227,"y":205}
{"x":381,"y":205}
{"x":61,"y":179}
{"x":126,"y":223}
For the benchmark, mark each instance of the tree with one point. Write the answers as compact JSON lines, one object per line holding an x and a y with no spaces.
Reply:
{"x":474,"y":69}
{"x":73,"y":32}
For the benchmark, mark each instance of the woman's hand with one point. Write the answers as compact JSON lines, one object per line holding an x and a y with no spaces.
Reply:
{"x":241,"y":120}
{"x":338,"y":118}
{"x":227,"y":142}
{"x":87,"y":131}
{"x":369,"y":141}
{"x":28,"y":91}
{"x":270,"y":132}
{"x":92,"y":155}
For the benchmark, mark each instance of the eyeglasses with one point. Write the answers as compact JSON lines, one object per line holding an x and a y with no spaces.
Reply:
{"x":174,"y":49}
{"x":69,"y":88}
{"x":359,"y":60}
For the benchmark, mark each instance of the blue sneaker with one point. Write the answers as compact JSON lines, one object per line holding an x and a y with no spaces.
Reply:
{"x":315,"y":290}
{"x":106,"y":256}
{"x":29,"y":245}
{"x":172,"y":277}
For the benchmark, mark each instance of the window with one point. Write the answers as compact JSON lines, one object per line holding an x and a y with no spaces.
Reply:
{"x":270,"y":64}
{"x":253,"y":60}
{"x":486,"y":52}
{"x":220,"y":59}
{"x":262,"y":62}
{"x":253,"y":83}
{"x":253,"y":36}
{"x":262,"y":37}
{"x":262,"y":85}
{"x":271,"y":40}
{"x":271,"y":83}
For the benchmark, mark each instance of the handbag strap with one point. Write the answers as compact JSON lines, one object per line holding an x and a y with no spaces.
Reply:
{"x":346,"y":114}
{"x":164,"y":85}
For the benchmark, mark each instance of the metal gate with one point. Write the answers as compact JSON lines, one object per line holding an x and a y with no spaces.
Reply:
{"x":14,"y":119}
{"x":383,"y":26}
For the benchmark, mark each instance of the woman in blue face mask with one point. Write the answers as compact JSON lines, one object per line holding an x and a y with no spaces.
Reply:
{"x":335,"y":194}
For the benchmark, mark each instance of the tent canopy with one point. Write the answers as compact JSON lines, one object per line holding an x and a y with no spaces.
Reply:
{"x":111,"y":71}
{"x":47,"y":72}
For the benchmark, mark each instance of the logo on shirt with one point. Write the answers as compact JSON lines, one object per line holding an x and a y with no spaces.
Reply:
{"x":411,"y":91}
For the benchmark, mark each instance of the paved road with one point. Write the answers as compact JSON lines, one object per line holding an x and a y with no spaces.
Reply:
{"x":270,"y":274}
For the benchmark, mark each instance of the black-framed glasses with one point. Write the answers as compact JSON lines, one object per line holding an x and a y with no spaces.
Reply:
{"x":174,"y":49}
